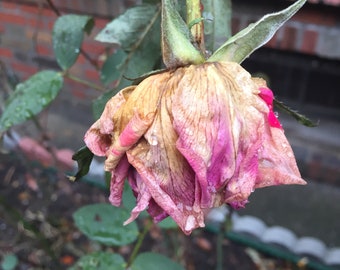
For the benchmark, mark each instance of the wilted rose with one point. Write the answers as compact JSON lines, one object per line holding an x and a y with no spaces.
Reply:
{"x":190,"y":139}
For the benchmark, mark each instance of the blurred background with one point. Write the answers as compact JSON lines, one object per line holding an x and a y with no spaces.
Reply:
{"x":301,"y":63}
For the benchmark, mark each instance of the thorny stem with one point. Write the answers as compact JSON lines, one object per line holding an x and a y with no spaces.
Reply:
{"x":87,"y":83}
{"x":87,"y":57}
{"x":140,"y":239}
{"x":194,"y":14}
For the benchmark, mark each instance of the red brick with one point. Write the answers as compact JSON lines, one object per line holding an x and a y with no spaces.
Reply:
{"x":315,"y":17}
{"x":92,"y":75}
{"x":93,"y":48}
{"x":310,"y":38}
{"x":289,"y":38}
{"x":44,"y":50}
{"x":12,"y":18}
{"x":33,"y":21}
{"x":36,"y":10}
{"x":235,"y":25}
{"x":49,"y":13}
{"x":50,"y":24}
{"x":2,"y":28}
{"x":44,"y":37}
{"x":76,"y":89}
{"x":26,"y":69}
{"x":4,"y":52}
{"x":8,"y":5}
{"x":31,"y":9}
{"x":78,"y":93}
{"x":101,"y":23}
{"x":332,"y":2}
{"x":272,"y":43}
{"x":81,"y":59}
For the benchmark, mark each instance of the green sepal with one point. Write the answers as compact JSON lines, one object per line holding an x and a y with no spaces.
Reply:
{"x":178,"y":48}
{"x":84,"y":159}
{"x":241,"y":45}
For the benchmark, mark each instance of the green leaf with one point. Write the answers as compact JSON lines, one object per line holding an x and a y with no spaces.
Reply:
{"x":177,"y":43}
{"x":9,"y":262}
{"x":168,"y":223}
{"x":100,"y":261}
{"x":139,"y":61}
{"x":30,"y":98}
{"x":217,"y":24}
{"x":151,"y":1}
{"x":127,"y":28}
{"x":139,"y":79}
{"x":299,"y":117}
{"x":98,"y":104}
{"x":104,"y":223}
{"x":67,"y":37}
{"x":241,"y":45}
{"x":111,"y":68}
{"x":154,"y":261}
{"x":128,"y":200}
{"x":84,"y":159}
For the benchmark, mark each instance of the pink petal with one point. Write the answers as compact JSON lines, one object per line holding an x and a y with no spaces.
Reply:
{"x":98,"y":137}
{"x":143,"y":197}
{"x":118,"y":177}
{"x":164,"y":188}
{"x":133,"y":131}
{"x":202,"y":122}
{"x":144,"y":200}
{"x":267,"y":95}
{"x":277,"y":163}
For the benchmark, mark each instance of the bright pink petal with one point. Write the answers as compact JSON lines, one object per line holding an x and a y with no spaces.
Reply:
{"x":267,"y":95}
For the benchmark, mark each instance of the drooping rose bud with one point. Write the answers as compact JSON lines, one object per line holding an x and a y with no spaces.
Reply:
{"x":191,"y":139}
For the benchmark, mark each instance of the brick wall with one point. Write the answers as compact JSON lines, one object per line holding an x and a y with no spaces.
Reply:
{"x":325,"y":2}
{"x":26,"y":41}
{"x":314,"y":30}
{"x":25,"y":31}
